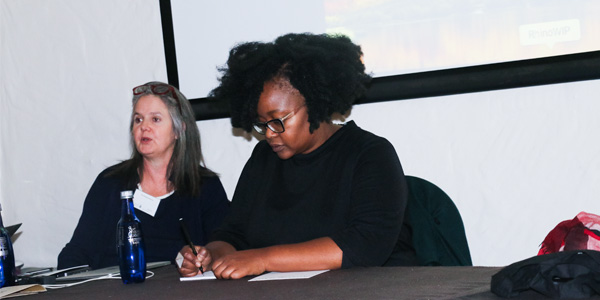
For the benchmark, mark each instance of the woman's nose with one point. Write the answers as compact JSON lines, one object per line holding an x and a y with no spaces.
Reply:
{"x":270,"y":133}
{"x":144,"y":125}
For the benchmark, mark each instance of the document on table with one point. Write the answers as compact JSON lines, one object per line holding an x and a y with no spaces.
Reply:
{"x":207,"y":275}
{"x":287,"y":275}
{"x":20,"y":290}
{"x":268,"y":276}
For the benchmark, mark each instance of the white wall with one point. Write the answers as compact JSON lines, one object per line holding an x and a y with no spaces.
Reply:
{"x":67,"y":69}
{"x":516,"y":162}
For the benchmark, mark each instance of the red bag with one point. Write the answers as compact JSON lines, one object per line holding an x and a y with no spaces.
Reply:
{"x":581,"y":233}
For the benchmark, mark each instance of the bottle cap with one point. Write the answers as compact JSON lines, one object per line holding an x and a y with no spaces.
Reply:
{"x":126,"y":194}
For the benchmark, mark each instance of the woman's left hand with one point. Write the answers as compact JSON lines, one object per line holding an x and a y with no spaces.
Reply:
{"x":239,"y":264}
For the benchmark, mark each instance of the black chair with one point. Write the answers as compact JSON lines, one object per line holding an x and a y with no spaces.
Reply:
{"x":438,"y":233}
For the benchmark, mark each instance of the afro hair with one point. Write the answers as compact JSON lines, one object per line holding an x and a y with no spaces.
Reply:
{"x":326,"y":69}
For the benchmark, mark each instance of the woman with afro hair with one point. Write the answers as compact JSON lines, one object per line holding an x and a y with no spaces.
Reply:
{"x":314,"y":195}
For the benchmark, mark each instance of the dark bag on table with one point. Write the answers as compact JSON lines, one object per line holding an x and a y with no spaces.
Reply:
{"x":569,"y":274}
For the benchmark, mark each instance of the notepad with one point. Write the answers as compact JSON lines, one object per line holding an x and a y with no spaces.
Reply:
{"x":267,"y":276}
{"x":207,"y":275}
{"x":287,"y":275}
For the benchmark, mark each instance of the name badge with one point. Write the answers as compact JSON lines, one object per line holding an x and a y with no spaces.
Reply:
{"x":146,"y":203}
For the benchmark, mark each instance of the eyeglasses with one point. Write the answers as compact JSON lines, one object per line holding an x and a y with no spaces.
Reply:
{"x":158,"y":89}
{"x":276,"y":125}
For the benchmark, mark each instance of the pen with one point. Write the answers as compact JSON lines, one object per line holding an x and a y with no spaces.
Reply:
{"x":188,"y":240}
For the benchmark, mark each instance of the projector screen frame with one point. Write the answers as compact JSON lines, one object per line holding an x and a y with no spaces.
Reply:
{"x":506,"y":75}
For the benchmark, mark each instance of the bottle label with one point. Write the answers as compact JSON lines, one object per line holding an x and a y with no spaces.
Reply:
{"x":133,"y":237}
{"x":3,"y":246}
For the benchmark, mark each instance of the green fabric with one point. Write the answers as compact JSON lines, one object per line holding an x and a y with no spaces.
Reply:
{"x":438,"y":233}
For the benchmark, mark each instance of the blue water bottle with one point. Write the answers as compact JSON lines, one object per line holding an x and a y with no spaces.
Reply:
{"x":130,"y":242}
{"x":7,"y":257}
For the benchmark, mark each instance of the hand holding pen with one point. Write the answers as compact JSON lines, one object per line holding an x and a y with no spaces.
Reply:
{"x":188,"y":240}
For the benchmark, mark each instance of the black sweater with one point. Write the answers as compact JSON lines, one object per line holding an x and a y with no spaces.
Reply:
{"x":94,"y":240}
{"x":351,"y":189}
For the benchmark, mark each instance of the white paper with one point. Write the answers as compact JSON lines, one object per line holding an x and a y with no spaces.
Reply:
{"x":287,"y":275}
{"x":207,"y":275}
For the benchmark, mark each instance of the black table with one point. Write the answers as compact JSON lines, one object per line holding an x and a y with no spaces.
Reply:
{"x":356,"y":283}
